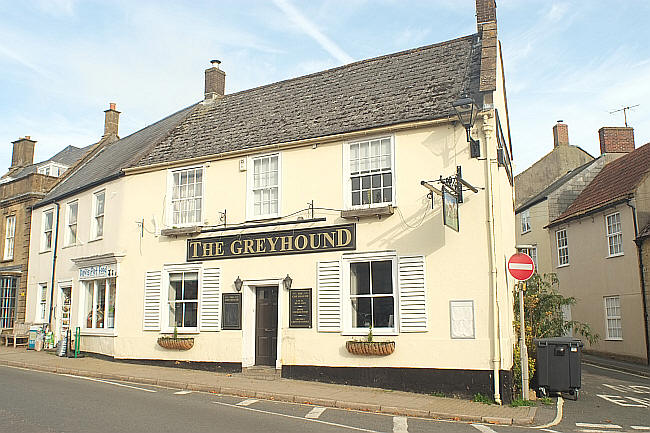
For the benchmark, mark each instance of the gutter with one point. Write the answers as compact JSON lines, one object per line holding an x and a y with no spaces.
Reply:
{"x":644,"y":295}
{"x":589,"y":211}
{"x":85,"y":187}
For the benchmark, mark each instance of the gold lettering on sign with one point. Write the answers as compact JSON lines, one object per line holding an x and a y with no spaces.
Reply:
{"x":312,"y":243}
{"x":348,"y":237}
{"x":195,"y":249}
{"x":286,"y":243}
{"x":208,"y":249}
{"x":248,"y":246}
{"x":329,"y":239}
{"x":219,"y":246}
{"x":273,"y":242}
{"x":301,"y":239}
{"x":260,"y":246}
{"x":235,"y":247}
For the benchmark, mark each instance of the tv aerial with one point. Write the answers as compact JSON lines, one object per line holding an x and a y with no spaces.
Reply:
{"x":624,"y":110}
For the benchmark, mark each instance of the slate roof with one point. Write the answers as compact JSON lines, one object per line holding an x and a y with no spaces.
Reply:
{"x":615,"y":182}
{"x":645,"y":232}
{"x":414,"y":85}
{"x":113,"y":157}
{"x":543,"y":194}
{"x":67,"y":157}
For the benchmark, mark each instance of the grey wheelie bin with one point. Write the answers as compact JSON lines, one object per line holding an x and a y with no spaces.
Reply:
{"x":558,"y":365}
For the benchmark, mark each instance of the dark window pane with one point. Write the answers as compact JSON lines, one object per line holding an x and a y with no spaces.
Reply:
{"x":388,"y":179}
{"x":383,"y":315}
{"x":190,"y":314}
{"x":356,"y":198}
{"x":388,"y":194}
{"x":191,"y":286}
{"x":175,"y":287}
{"x":356,"y":184}
{"x":179,"y":315}
{"x":365,"y":197}
{"x":376,"y":180}
{"x":365,"y":182}
{"x":361,"y":313}
{"x":360,"y":278}
{"x":382,"y":277}
{"x":376,"y":195}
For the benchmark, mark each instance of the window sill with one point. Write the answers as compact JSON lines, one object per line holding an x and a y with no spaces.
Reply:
{"x":45,"y":251}
{"x":99,"y":332}
{"x":181,"y":231}
{"x":613,"y":339}
{"x":262,"y":218}
{"x":69,"y":246}
{"x":563,"y":266}
{"x":527,"y":231}
{"x":364,"y":333}
{"x":368,"y":212}
{"x":189,"y":331}
{"x":96,"y":239}
{"x":10,"y":259}
{"x":615,"y":255}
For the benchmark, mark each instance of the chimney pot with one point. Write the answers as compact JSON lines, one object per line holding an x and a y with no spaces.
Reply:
{"x":215,"y":81}
{"x":560,"y":134}
{"x":23,"y":152}
{"x":616,"y":139}
{"x":111,"y":120}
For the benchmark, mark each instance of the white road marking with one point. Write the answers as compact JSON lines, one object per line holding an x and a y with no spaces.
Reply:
{"x":111,"y":383}
{"x":558,"y":415}
{"x":400,"y":425}
{"x":483,"y":428}
{"x":586,"y":424}
{"x":315,"y":412}
{"x":247,"y":402}
{"x":640,"y":427}
{"x":591,"y":430}
{"x":549,"y":430}
{"x":613,"y":369}
{"x":296,"y":417}
{"x":619,"y":400}
{"x":182,"y":392}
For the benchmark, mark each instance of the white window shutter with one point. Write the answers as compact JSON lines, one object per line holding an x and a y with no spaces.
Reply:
{"x":412,"y":294}
{"x":210,"y":300}
{"x":329,"y":296}
{"x":152,"y":292}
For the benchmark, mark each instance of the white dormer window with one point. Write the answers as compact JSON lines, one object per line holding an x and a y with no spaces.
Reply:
{"x":52,"y":169}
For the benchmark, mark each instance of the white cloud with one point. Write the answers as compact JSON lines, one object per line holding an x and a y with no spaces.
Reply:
{"x":310,"y":29}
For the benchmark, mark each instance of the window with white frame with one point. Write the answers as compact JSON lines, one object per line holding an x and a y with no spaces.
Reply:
{"x":525,"y":221}
{"x":52,"y":169}
{"x":264,"y":189}
{"x":7,"y":301}
{"x":186,"y":196}
{"x":99,"y":203}
{"x":614,"y":234}
{"x":371,"y":174}
{"x":48,"y":223}
{"x":532,"y":253}
{"x":10,"y":234}
{"x":613,"y":317}
{"x":71,"y":223}
{"x":562,"y":247}
{"x":371,"y":296}
{"x":100,"y":303}
{"x":41,"y":308}
{"x":183,"y":299}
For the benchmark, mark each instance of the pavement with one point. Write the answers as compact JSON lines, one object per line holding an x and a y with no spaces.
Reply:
{"x":630,"y":367}
{"x":288,"y":390}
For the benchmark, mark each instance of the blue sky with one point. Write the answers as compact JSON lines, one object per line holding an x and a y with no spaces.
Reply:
{"x":63,"y":61}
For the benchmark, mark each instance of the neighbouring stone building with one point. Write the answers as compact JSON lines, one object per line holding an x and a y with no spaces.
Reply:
{"x":275,"y":226}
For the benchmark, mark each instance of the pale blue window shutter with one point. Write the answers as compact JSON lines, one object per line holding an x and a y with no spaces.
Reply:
{"x":152,"y":293}
{"x":412,"y":294}
{"x":210,"y":300}
{"x":329,"y":296}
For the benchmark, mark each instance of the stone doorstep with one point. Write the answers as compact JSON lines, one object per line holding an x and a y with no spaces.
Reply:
{"x":364,"y":407}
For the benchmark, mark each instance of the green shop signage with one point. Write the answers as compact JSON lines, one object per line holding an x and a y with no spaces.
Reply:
{"x":312,"y":240}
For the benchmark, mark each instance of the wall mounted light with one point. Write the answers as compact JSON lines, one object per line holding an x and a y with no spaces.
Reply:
{"x":287,"y":282}
{"x":238,"y":283}
{"x":466,"y":110}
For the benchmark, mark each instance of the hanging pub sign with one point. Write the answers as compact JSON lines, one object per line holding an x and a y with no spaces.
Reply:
{"x":449,"y":208}
{"x":311,"y":240}
{"x":300,"y":308}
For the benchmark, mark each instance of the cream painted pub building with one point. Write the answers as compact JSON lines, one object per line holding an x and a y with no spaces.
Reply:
{"x":276,"y":224}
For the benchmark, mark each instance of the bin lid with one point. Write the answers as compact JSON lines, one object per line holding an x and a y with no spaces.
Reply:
{"x":556,"y":341}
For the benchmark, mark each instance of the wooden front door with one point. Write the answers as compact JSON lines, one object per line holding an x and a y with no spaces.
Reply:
{"x":266,"y":325}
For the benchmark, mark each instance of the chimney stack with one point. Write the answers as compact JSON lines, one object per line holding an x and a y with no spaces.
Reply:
{"x":486,"y":11}
{"x":616,"y":139}
{"x":23,"y":153}
{"x":111,"y":120}
{"x":560,"y":134}
{"x":215,"y":81}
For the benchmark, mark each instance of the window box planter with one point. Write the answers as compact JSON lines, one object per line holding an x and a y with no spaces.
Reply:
{"x":176,"y":343}
{"x":370,"y":348}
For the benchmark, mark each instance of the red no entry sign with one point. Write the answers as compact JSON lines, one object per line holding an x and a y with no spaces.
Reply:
{"x":521,"y":266}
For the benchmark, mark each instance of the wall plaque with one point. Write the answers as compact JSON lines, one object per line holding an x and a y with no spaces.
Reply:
{"x":231,"y":311}
{"x":311,"y":240}
{"x":300,"y":308}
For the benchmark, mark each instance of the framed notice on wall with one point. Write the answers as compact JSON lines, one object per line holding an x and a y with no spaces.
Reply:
{"x":300,"y":308}
{"x":449,"y":209}
{"x":462,"y":319}
{"x":231,"y":311}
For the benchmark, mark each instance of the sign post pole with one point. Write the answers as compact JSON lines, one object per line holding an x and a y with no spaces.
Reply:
{"x":522,"y":267}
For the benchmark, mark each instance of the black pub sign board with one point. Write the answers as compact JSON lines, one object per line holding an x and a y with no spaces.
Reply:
{"x":300,"y":308}
{"x":296,"y":241}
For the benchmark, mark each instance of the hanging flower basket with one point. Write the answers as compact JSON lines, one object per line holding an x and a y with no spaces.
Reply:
{"x":176,"y":343}
{"x":376,"y":348}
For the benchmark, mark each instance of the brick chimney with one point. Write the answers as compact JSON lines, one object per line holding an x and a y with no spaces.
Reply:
{"x":215,"y":81}
{"x":23,"y":154}
{"x":111,"y":120}
{"x":486,"y":11}
{"x":560,"y":134}
{"x":614,"y":139}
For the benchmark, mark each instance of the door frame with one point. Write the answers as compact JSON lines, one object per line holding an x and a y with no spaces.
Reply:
{"x":249,"y":301}
{"x":63,"y":284}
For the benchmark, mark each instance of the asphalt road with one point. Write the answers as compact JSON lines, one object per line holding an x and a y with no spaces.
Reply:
{"x":32,"y":401}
